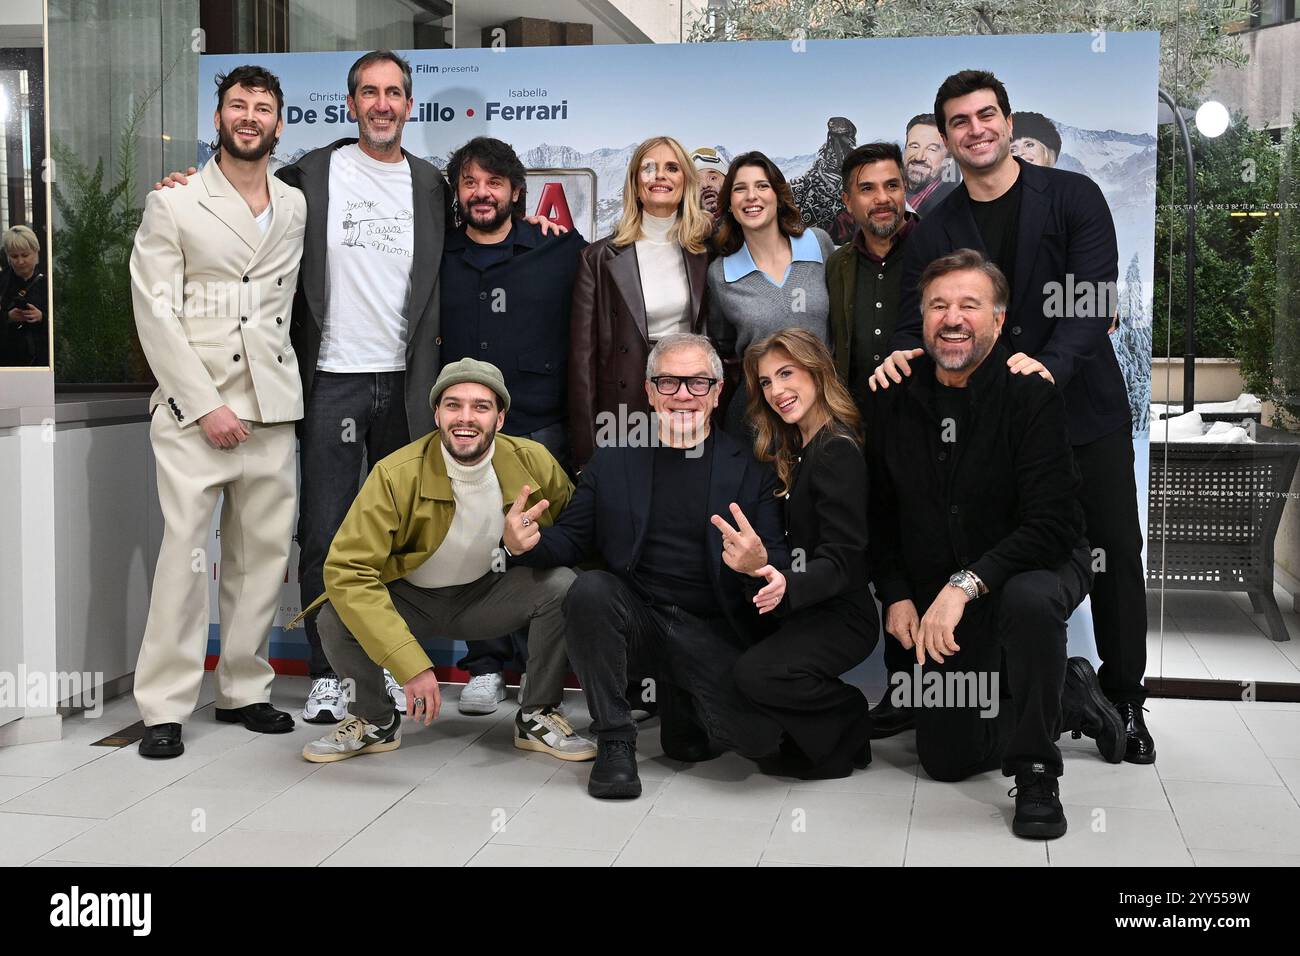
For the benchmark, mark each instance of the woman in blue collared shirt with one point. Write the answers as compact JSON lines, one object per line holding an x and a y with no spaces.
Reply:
{"x":770,"y":274}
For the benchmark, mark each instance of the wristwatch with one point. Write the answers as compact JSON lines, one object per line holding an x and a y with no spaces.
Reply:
{"x":969,"y":583}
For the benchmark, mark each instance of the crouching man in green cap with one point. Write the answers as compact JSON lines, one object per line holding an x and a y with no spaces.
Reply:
{"x":418,"y":557}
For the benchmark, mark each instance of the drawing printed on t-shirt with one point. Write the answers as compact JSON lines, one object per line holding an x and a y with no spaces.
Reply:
{"x":380,"y":231}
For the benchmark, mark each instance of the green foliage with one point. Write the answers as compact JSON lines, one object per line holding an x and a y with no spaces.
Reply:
{"x":1268,"y":330}
{"x":1192,"y":39}
{"x":94,"y":328}
{"x":1237,"y":172}
{"x":94,"y":331}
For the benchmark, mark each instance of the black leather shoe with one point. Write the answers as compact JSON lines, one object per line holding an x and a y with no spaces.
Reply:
{"x":887,"y":720}
{"x":1038,"y":805}
{"x":680,"y":735}
{"x":1086,"y":711}
{"x":162,"y":740}
{"x":262,"y":718}
{"x":613,"y":775}
{"x":1138,"y":745}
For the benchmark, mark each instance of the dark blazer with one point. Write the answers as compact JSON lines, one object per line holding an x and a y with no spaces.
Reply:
{"x":1006,"y":503}
{"x":608,"y":338}
{"x":609,"y":513}
{"x":826,"y":528}
{"x":1065,"y":230}
{"x":528,"y":340}
{"x":431,"y":197}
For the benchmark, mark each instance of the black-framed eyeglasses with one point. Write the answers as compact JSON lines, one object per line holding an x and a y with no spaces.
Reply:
{"x":697,"y":385}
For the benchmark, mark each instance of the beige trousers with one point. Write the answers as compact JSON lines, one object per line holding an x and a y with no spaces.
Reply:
{"x":257,"y":479}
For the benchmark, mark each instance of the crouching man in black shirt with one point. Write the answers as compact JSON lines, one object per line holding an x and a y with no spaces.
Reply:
{"x":689,"y":526}
{"x":978,"y":551}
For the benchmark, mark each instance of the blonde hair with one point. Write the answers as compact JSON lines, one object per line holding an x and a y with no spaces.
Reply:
{"x":693,"y":226}
{"x":774,"y":439}
{"x":20,"y":239}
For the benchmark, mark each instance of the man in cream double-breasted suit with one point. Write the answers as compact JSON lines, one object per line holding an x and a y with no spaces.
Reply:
{"x":213,"y":274}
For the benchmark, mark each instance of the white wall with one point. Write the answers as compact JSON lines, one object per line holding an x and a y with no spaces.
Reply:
{"x":107,"y":530}
{"x":11,"y":631}
{"x":21,"y":22}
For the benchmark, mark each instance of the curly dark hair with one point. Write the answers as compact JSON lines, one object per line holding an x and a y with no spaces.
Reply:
{"x":496,"y":157}
{"x":729,"y":237}
{"x":251,"y":77}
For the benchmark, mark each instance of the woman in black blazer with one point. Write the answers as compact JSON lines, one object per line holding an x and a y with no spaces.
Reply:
{"x":807,"y":425}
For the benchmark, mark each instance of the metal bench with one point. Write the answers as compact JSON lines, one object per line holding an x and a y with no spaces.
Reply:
{"x":1214,"y":511}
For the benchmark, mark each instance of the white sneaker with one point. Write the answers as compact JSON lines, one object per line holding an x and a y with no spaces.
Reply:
{"x":354,"y":736}
{"x":482,"y":694}
{"x":549,"y":733}
{"x":395,"y":692}
{"x":327,"y":702}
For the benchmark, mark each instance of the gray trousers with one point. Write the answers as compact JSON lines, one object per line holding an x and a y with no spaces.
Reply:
{"x":495,"y":604}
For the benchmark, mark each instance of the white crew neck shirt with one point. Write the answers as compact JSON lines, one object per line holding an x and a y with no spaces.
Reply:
{"x":477,"y":523}
{"x":664,"y":287}
{"x":369,"y":250}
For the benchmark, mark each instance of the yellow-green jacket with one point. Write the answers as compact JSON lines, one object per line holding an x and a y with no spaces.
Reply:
{"x":398,"y":521}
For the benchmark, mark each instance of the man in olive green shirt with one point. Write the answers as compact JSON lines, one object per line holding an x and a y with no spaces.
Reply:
{"x":418,"y":556}
{"x":864,"y":276}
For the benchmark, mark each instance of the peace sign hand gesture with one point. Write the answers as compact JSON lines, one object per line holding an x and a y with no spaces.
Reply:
{"x":522,"y":532}
{"x":742,"y":548}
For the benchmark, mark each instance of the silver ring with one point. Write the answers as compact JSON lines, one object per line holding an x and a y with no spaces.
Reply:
{"x":527,"y":521}
{"x":419,"y":703}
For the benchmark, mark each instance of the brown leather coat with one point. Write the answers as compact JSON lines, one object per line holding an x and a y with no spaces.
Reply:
{"x":608,"y":341}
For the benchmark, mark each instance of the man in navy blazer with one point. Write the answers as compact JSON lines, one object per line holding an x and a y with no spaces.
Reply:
{"x":677,"y":598}
{"x":1051,"y":233}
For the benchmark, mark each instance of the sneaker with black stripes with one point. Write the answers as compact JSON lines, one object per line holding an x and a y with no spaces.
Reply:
{"x":546,"y":731}
{"x":352,"y":737}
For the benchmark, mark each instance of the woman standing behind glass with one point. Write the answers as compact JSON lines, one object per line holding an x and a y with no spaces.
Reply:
{"x":24,"y":302}
{"x":807,"y":425}
{"x":645,"y":281}
{"x":771,"y":274}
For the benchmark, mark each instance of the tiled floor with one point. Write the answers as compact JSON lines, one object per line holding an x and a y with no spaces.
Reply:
{"x":1224,"y":792}
{"x":1216,"y":635}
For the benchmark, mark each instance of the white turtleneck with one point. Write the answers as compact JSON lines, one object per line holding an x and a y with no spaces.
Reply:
{"x":664,"y":288}
{"x":465,"y":555}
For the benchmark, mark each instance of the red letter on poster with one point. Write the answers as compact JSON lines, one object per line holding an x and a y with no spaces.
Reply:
{"x":554,"y":206}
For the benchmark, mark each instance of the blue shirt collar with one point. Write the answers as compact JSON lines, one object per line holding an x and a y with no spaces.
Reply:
{"x":804,"y":248}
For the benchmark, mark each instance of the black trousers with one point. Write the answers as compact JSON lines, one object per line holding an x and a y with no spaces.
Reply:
{"x":351,"y":417}
{"x":608,"y":626}
{"x":793,"y":676}
{"x":1017,"y":633}
{"x":1119,"y":609}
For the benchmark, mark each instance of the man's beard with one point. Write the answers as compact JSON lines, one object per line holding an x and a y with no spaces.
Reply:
{"x":882,"y":230}
{"x":484,"y":443}
{"x":979,"y":350}
{"x":914,"y":185}
{"x":249,"y":154}
{"x":374,"y":141}
{"x":499,"y":217}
